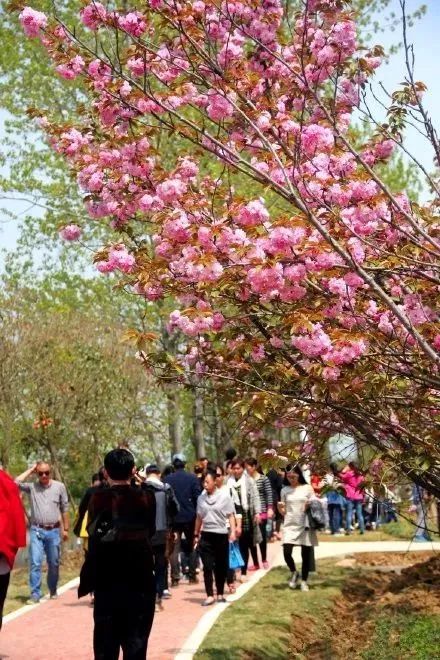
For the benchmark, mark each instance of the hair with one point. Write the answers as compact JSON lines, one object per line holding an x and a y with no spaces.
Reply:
{"x":95,"y":477}
{"x":230,"y":453}
{"x":211,"y":473}
{"x":44,"y":463}
{"x":178,"y":464}
{"x":237,"y":461}
{"x":334,"y":468}
{"x":198,"y":469}
{"x":119,"y":464}
{"x":168,"y":469}
{"x":211,"y":466}
{"x":202,"y":458}
{"x":252,"y":462}
{"x":354,"y":466}
{"x":298,"y":471}
{"x":220,"y":467}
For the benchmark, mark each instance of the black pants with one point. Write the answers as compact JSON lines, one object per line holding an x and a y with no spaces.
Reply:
{"x":307,"y":556}
{"x":122,"y":621}
{"x":187,"y":548}
{"x":214,"y":551}
{"x":263,"y":546}
{"x":4,"y":584}
{"x":245,"y":543}
{"x":160,"y":568}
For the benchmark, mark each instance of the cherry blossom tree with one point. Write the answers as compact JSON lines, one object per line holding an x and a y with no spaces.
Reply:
{"x":306,"y":288}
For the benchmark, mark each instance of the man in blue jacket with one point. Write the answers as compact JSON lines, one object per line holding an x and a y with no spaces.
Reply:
{"x":187,"y":489}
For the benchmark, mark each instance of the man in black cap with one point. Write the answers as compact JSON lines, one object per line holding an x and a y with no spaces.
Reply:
{"x":167,"y":508}
{"x":187,"y":489}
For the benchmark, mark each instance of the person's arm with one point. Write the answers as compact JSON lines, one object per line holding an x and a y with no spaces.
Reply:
{"x":268,"y":493}
{"x":282,"y":503}
{"x":64,"y":509}
{"x":197,"y":529}
{"x":25,"y":475}
{"x":233,"y":531}
{"x":82,"y":509}
{"x":257,"y":502}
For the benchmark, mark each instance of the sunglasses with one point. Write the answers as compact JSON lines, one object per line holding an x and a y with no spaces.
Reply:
{"x":46,"y":473}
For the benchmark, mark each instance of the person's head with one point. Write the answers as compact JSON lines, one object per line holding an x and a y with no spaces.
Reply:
{"x":251,"y":465}
{"x":294,"y":475}
{"x":198,"y":470}
{"x":179,"y":462}
{"x":210,"y":482}
{"x":44,"y":472}
{"x":168,"y":469}
{"x":230,"y":453}
{"x":119,"y":465}
{"x":152,"y":470}
{"x":219,"y":475}
{"x":237,"y":467}
{"x":96,"y":481}
{"x":334,"y":468}
{"x":354,"y":466}
{"x":204,"y":462}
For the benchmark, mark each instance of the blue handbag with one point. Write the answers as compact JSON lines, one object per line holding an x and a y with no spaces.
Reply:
{"x":235,"y":558}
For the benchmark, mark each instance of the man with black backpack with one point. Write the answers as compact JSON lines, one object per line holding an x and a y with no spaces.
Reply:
{"x":167,"y":507}
{"x":119,"y":567}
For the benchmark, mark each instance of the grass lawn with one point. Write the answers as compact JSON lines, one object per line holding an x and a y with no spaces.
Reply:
{"x":403,"y":530}
{"x":18,"y":591}
{"x":259,"y":625}
{"x":365,"y":613}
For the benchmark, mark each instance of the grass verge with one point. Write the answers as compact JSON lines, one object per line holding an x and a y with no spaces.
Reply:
{"x":364,"y":612}
{"x":18,"y":591}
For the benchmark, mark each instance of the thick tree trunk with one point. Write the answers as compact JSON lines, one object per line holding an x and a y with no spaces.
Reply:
{"x":218,"y":433}
{"x":198,"y":423}
{"x":174,"y":425}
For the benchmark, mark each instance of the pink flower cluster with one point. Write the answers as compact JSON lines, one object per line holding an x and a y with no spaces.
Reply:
{"x":207,"y":322}
{"x":118,"y":259}
{"x":72,"y":68}
{"x":93,"y":15}
{"x":133,"y":23}
{"x":32,"y":21}
{"x":70,"y":232}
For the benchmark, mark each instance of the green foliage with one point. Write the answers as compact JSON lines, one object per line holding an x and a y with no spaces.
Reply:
{"x":405,"y":635}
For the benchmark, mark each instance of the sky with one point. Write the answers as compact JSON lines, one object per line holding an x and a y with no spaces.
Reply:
{"x":425,"y":35}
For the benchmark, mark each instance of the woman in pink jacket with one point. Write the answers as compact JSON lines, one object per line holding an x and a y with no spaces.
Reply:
{"x":353,"y":481}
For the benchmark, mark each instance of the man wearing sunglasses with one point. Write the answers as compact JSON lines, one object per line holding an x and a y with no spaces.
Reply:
{"x":49,"y":524}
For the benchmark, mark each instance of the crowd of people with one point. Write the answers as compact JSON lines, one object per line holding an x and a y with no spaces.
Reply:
{"x":145,"y":530}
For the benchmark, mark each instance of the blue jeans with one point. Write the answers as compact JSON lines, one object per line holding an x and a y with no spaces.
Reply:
{"x":335,"y":516}
{"x":44,"y":542}
{"x":357,"y":506}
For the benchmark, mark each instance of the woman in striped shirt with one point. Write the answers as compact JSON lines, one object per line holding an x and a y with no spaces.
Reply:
{"x":266,"y":499}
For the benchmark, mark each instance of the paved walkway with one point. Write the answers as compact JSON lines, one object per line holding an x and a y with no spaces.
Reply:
{"x":62,"y":629}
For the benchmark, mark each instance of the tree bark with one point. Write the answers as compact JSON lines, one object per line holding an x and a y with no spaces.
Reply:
{"x":198,"y":423}
{"x":174,"y":426}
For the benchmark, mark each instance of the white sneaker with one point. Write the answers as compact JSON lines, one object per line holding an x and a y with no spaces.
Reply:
{"x":304,"y":586}
{"x":293,"y":580}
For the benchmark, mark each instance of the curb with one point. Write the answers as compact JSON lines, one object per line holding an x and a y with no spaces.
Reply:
{"x":28,"y":608}
{"x":194,"y":640}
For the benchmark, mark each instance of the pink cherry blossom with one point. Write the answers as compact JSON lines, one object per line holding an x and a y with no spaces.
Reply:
{"x":70,"y":232}
{"x":32,"y":21}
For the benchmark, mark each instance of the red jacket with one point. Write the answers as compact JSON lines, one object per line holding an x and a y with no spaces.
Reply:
{"x":12,"y":519}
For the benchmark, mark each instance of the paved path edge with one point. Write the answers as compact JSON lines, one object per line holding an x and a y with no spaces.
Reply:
{"x":72,"y":584}
{"x":195,"y":639}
